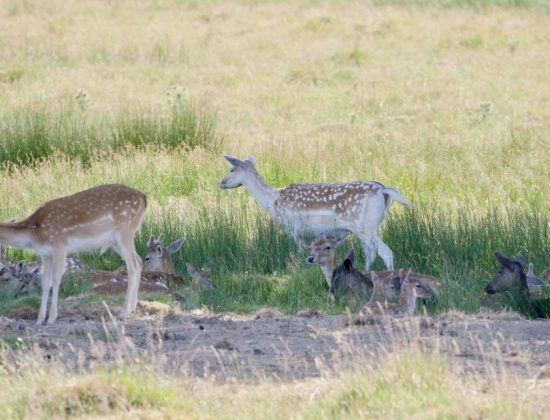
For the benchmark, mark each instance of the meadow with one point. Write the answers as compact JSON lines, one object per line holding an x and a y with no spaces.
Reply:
{"x":446,"y":101}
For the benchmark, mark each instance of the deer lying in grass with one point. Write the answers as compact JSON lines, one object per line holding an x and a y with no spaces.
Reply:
{"x":323,"y":253}
{"x":19,"y":278}
{"x":337,"y":209}
{"x":101,"y":217}
{"x":159,"y":258}
{"x":349,"y":283}
{"x":511,"y":277}
{"x":411,"y":290}
{"x":200,"y":280}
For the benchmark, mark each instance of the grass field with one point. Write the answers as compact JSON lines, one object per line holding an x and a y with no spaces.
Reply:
{"x":445,"y":100}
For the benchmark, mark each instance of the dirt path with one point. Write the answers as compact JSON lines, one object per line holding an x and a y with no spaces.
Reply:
{"x":289,"y":347}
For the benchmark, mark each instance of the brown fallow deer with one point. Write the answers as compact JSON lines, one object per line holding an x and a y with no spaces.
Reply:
{"x":337,"y":209}
{"x":158,"y":265}
{"x":97,"y":218}
{"x":159,"y":258}
{"x":411,"y":290}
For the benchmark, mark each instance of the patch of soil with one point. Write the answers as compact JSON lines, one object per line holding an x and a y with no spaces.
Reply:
{"x":290,"y":347}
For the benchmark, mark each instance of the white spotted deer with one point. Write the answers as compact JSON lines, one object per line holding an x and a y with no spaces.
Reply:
{"x":97,"y":218}
{"x":337,"y":209}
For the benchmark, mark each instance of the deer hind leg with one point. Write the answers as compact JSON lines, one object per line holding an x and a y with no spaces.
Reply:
{"x":370,"y":245}
{"x":385,"y":253}
{"x":46,"y":283}
{"x":126,"y":248}
{"x":58,"y":268}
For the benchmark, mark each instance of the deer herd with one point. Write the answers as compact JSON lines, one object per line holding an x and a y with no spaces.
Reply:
{"x":108,"y":216}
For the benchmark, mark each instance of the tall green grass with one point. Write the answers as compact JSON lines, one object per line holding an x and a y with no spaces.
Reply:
{"x":28,"y":136}
{"x":255,"y":264}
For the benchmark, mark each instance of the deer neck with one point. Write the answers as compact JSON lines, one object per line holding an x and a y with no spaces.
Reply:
{"x":262,"y":193}
{"x":328,"y":271}
{"x":407,"y":302}
{"x":13,"y":234}
{"x":168,"y":265}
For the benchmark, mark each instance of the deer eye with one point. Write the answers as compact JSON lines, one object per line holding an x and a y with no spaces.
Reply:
{"x":232,"y":170}
{"x":327,"y":248}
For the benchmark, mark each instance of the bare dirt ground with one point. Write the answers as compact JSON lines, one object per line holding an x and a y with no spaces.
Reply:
{"x":268,"y":343}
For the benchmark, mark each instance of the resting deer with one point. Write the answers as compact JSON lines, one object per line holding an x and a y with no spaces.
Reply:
{"x":323,"y":253}
{"x":348,"y":282}
{"x":337,"y":209}
{"x":200,"y":280}
{"x":98,"y":218}
{"x":411,"y":290}
{"x":20,"y":278}
{"x":159,"y":258}
{"x":511,"y":277}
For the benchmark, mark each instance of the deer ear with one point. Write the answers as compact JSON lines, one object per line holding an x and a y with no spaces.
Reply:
{"x":175,"y":246}
{"x":191,"y":270}
{"x":322,"y":236}
{"x":505,"y":261}
{"x":207,"y":272}
{"x":158,"y":249}
{"x":251,"y":160}
{"x":233,"y":160}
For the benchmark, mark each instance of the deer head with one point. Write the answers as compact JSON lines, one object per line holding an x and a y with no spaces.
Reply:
{"x":159,"y":258}
{"x":510,"y":274}
{"x":323,"y":250}
{"x":239,"y":172}
{"x":200,"y":279}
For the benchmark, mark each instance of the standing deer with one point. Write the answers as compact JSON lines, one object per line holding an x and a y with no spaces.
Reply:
{"x":338,"y":209}
{"x":159,"y":258}
{"x":100,"y":217}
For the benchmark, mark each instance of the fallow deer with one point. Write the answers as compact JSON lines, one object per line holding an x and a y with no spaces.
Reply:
{"x":159,"y":258}
{"x":200,"y":280}
{"x":349,"y":283}
{"x":511,"y":277}
{"x":97,"y":218}
{"x":19,"y":279}
{"x":411,"y":290}
{"x":336,"y":209}
{"x":323,"y":253}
